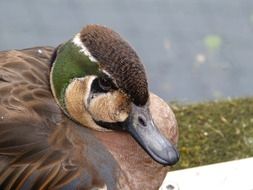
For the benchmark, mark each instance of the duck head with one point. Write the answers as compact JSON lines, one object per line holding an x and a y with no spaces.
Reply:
{"x":99,"y":81}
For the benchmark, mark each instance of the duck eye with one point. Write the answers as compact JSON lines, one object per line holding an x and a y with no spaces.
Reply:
{"x":105,"y":84}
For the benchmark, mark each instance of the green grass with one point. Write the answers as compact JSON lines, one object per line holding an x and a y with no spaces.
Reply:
{"x":214,"y":132}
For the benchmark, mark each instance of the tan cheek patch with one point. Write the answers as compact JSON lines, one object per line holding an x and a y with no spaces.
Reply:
{"x":76,"y":93}
{"x":110,"y":107}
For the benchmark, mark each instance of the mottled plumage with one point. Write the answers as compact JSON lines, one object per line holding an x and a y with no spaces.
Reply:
{"x":43,"y":148}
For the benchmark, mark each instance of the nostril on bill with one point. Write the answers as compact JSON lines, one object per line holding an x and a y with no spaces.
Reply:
{"x":142,"y":121}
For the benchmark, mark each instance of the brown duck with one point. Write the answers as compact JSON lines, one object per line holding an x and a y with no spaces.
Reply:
{"x":81,"y":117}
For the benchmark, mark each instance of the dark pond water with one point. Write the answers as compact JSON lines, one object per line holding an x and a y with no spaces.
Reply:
{"x":193,"y":50}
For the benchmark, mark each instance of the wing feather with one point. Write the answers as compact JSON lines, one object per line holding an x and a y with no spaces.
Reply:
{"x":36,"y":149}
{"x":40,"y":147}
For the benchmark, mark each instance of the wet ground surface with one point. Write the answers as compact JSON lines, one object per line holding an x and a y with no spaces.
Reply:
{"x":193,"y":50}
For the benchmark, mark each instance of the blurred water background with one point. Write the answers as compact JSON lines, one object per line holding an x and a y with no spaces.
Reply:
{"x":193,"y":50}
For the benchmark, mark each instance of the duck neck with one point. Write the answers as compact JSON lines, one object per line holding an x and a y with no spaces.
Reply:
{"x":136,"y":166}
{"x":71,"y":62}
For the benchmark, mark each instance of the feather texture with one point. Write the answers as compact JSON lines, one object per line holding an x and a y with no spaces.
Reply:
{"x":40,"y":148}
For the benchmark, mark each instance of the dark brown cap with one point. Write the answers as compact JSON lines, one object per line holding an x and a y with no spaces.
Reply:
{"x":117,"y":58}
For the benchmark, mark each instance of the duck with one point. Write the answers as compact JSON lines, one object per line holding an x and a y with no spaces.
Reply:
{"x":81,"y":116}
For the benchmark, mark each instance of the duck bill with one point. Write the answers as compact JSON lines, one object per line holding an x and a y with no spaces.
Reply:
{"x":142,"y":128}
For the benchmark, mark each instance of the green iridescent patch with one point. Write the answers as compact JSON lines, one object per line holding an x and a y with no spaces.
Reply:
{"x":70,"y":63}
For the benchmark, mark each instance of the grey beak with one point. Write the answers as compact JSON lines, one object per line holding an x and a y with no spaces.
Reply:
{"x":141,"y":126}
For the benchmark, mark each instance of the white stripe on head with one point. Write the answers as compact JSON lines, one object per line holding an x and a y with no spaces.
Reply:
{"x":108,"y":74}
{"x":105,"y":72}
{"x":76,"y":40}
